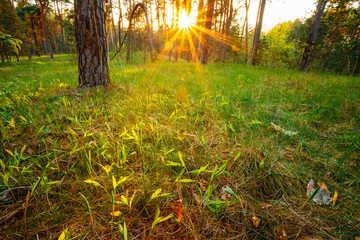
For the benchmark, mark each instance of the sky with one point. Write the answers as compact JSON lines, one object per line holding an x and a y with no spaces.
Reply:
{"x":276,"y":11}
{"x":280,"y":11}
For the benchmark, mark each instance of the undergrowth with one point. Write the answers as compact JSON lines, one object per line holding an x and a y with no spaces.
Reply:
{"x":176,"y":151}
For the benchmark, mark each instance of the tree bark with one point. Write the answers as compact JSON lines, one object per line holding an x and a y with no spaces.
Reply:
{"x":91,"y":44}
{"x":62,"y":38}
{"x":228,"y":25}
{"x":120,"y":22}
{"x":247,"y":6}
{"x":258,"y":31}
{"x":47,"y":41}
{"x":310,"y":44}
{"x":198,"y":27}
{"x":177,"y":7}
{"x":208,"y":22}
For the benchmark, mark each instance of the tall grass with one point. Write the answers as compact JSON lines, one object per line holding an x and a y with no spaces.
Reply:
{"x":124,"y":156}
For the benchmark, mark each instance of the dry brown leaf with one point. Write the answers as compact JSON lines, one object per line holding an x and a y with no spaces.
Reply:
{"x":256,"y":221}
{"x":322,"y":185}
{"x":203,"y":185}
{"x":116,"y":214}
{"x":29,"y":151}
{"x":281,"y":234}
{"x":138,"y":165}
{"x":335,"y":197}
{"x":357,"y":238}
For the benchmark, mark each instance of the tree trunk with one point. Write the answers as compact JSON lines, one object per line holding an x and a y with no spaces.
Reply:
{"x":36,"y":48}
{"x":228,"y":25}
{"x":128,"y":49}
{"x":208,"y":22}
{"x":62,"y":39}
{"x":91,"y":43}
{"x":310,"y":44}
{"x":25,"y":40}
{"x":120,"y":22}
{"x":171,"y":33}
{"x":177,"y":7}
{"x":113,"y":25}
{"x":55,"y":43}
{"x":158,"y":22}
{"x":357,"y":64}
{"x":247,"y":6}
{"x":198,"y":27}
{"x":258,"y":31}
{"x":45,"y":34}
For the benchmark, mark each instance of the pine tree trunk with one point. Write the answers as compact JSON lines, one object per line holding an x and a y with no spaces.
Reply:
{"x":128,"y":45}
{"x":310,"y":44}
{"x":120,"y":22}
{"x":45,"y":33}
{"x":158,"y":22}
{"x":62,"y":39}
{"x":258,"y":31}
{"x":198,"y":27}
{"x":247,"y":6}
{"x":177,"y":6}
{"x":91,"y":43}
{"x":208,"y":22}
{"x":228,"y":25}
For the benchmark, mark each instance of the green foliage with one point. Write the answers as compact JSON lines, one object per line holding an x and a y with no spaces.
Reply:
{"x":136,"y":148}
{"x":9,"y":44}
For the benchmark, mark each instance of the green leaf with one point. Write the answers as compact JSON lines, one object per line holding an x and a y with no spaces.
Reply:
{"x":2,"y":164}
{"x":181,"y":159}
{"x":124,"y":199}
{"x":181,"y":173}
{"x":39,"y":131}
{"x":156,"y":193}
{"x":173,"y":164}
{"x":114,"y":182}
{"x":86,"y":202}
{"x":165,"y":195}
{"x":201,"y":170}
{"x":237,"y":156}
{"x":121,"y":181}
{"x":63,"y":235}
{"x":186,"y":180}
{"x":230,"y":191}
{"x":125,"y":231}
{"x":36,"y":185}
{"x":93,"y":182}
{"x":131,"y":200}
{"x":9,"y":152}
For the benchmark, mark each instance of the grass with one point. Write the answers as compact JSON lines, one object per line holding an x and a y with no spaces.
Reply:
{"x":176,"y":150}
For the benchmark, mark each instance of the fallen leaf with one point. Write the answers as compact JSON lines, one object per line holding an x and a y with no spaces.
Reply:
{"x":276,"y":128}
{"x":335,"y":197}
{"x":322,"y":196}
{"x":138,"y":165}
{"x":116,"y":214}
{"x":322,"y":185}
{"x":179,"y":209}
{"x":281,"y":234}
{"x":256,"y":221}
{"x":357,"y":238}
{"x":29,"y":151}
{"x":203,"y":185}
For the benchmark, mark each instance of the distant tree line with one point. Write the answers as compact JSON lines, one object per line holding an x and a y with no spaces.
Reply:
{"x":336,"y":47}
{"x":328,"y":40}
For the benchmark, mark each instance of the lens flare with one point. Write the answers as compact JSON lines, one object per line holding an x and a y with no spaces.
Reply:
{"x":184,"y":21}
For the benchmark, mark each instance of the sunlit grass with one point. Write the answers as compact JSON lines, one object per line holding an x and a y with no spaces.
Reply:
{"x":100,"y":160}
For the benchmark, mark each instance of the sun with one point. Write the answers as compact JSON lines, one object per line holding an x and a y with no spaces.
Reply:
{"x":185,"y":21}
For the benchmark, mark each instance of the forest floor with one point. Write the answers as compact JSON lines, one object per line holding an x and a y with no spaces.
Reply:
{"x":177,"y":151}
